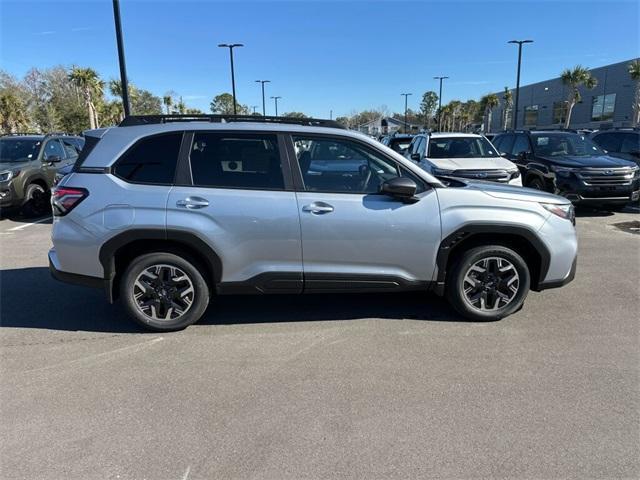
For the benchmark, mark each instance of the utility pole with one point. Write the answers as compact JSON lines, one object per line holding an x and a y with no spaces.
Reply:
{"x":405,"y":95}
{"x":264,"y":110}
{"x":275,"y":99}
{"x":440,"y":102}
{"x":231,"y":46}
{"x":515,"y":112}
{"x":123,"y":68}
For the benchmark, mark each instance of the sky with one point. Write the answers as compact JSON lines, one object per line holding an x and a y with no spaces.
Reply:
{"x":320,"y":56}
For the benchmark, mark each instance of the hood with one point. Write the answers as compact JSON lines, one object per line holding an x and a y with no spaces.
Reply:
{"x":513,"y":192}
{"x":12,"y":165}
{"x":473,"y":163}
{"x":597,"y":161}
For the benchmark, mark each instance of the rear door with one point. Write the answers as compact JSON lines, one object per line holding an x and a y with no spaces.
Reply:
{"x":234,"y":191}
{"x":352,"y":236}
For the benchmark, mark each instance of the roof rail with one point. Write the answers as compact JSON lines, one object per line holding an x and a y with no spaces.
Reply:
{"x":59,"y":134}
{"x":153,"y":119}
{"x":17,"y":134}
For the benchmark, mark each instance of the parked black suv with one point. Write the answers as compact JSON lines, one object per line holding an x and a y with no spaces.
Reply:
{"x":571,"y":165}
{"x":622,"y":143}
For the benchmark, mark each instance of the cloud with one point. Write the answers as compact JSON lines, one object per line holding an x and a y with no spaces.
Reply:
{"x":193,"y":97}
{"x":80,"y":29}
{"x":472,"y":82}
{"x":46,"y":32}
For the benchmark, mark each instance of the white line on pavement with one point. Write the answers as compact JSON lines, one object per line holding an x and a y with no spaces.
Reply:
{"x":20,"y":227}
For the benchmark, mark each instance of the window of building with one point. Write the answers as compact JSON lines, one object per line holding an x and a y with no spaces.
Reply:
{"x":559,"y":112}
{"x":152,"y":160}
{"x":603,"y":107}
{"x":236,"y":160}
{"x":531,"y":115}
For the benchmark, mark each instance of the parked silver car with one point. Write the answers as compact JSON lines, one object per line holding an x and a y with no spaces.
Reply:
{"x":166,"y":214}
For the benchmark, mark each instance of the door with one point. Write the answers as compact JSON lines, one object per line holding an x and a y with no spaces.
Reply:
{"x":352,"y":236}
{"x":237,"y":196}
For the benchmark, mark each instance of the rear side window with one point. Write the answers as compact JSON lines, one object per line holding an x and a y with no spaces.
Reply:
{"x":151,"y":160}
{"x":236,"y":160}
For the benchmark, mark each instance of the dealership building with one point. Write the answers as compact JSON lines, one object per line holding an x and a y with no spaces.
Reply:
{"x":543,"y":104}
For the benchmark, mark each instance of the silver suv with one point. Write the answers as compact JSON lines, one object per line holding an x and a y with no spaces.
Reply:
{"x":166,"y":212}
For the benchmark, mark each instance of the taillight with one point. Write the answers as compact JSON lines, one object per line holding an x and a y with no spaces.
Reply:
{"x":65,"y":199}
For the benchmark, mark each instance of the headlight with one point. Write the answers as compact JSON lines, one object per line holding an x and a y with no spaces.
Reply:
{"x":514,"y":174}
{"x":440,"y":171}
{"x":8,"y":175}
{"x":567,"y":212}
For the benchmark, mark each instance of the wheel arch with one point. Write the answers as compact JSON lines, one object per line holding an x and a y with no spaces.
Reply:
{"x":118,"y":251}
{"x":521,"y":239}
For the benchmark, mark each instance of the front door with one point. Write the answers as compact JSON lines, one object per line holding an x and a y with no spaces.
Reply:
{"x":352,"y":236}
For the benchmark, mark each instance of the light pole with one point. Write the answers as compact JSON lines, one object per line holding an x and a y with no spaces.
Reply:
{"x":123,"y":68}
{"x":330,"y":114}
{"x":254,"y":108}
{"x":275,"y":99}
{"x":440,"y":102}
{"x":405,"y":95}
{"x":231,"y":46}
{"x":515,"y":111}
{"x":264,"y":112}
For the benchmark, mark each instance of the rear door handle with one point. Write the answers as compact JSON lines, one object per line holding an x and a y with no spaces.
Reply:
{"x":193,"y":203}
{"x":318,"y":208}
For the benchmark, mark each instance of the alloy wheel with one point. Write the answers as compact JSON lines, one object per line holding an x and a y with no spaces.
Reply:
{"x":163,"y":292}
{"x":491,"y":283}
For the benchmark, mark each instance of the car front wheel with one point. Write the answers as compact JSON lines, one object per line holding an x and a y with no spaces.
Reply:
{"x":164,"y":292}
{"x":488,"y":283}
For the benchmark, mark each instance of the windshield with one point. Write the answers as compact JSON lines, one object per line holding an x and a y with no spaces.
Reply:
{"x":460,"y":147}
{"x":400,"y":144}
{"x":561,"y":144}
{"x":18,"y":149}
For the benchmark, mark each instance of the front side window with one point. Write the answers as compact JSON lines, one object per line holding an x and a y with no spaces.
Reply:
{"x":152,"y":160}
{"x":70,"y":149}
{"x":460,"y":147}
{"x":630,"y":143}
{"x":236,"y":160}
{"x":609,"y":141}
{"x":506,"y":143}
{"x":561,"y":144}
{"x":341,"y":166}
{"x":520,"y":145}
{"x":53,"y":149}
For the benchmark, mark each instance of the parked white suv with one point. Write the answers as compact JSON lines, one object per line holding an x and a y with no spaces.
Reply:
{"x":464,"y":155}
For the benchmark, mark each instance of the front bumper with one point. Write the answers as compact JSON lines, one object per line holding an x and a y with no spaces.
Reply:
{"x":8,"y":197}
{"x":560,"y":283}
{"x":578,"y":192}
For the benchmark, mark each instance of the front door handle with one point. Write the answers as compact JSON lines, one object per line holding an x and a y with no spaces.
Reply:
{"x":318,"y":208}
{"x":193,"y":203}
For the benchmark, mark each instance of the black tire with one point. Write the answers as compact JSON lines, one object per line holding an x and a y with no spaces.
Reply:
{"x":128,"y":289}
{"x":455,"y":287}
{"x":36,"y":201}
{"x":536,"y":183}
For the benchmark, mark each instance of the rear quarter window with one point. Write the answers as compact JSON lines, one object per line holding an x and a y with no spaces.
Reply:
{"x":152,"y":160}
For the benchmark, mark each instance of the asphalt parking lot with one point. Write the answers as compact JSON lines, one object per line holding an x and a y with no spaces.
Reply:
{"x":352,"y":386}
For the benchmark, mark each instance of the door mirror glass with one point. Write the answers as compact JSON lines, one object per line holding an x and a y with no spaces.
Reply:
{"x":53,"y":159}
{"x":402,"y":188}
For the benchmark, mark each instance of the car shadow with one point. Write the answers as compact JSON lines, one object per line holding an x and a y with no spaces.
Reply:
{"x":30,"y":298}
{"x":17,"y":217}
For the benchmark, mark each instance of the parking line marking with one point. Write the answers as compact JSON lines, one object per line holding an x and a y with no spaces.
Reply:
{"x":20,"y":227}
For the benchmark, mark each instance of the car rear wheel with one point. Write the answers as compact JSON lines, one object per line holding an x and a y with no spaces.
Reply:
{"x":488,"y":283}
{"x":163,"y":291}
{"x":36,"y":201}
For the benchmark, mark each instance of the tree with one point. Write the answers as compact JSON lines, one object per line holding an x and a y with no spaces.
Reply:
{"x":12,"y":113}
{"x":634,"y":72}
{"x":167,"y":101}
{"x":89,"y":83}
{"x":507,"y":104}
{"x":428,"y":107}
{"x":223,"y":105}
{"x":295,"y":115}
{"x":575,"y":78}
{"x":489,"y":102}
{"x":145,"y":103}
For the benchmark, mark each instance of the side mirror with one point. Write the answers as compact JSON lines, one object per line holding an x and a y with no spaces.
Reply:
{"x":53,"y":159}
{"x":402,"y":188}
{"x":415,"y":157}
{"x":523,"y":155}
{"x":503,"y":154}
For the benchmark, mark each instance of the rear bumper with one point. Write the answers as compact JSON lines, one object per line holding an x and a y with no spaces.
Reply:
{"x":73,"y":278}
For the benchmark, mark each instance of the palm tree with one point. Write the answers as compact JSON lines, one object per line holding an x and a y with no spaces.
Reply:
{"x":88,"y":82}
{"x":455,"y":106}
{"x":181,"y":107}
{"x":574,"y":78}
{"x":507,"y":99}
{"x":490,"y":101}
{"x":167,"y":101}
{"x":634,"y":71}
